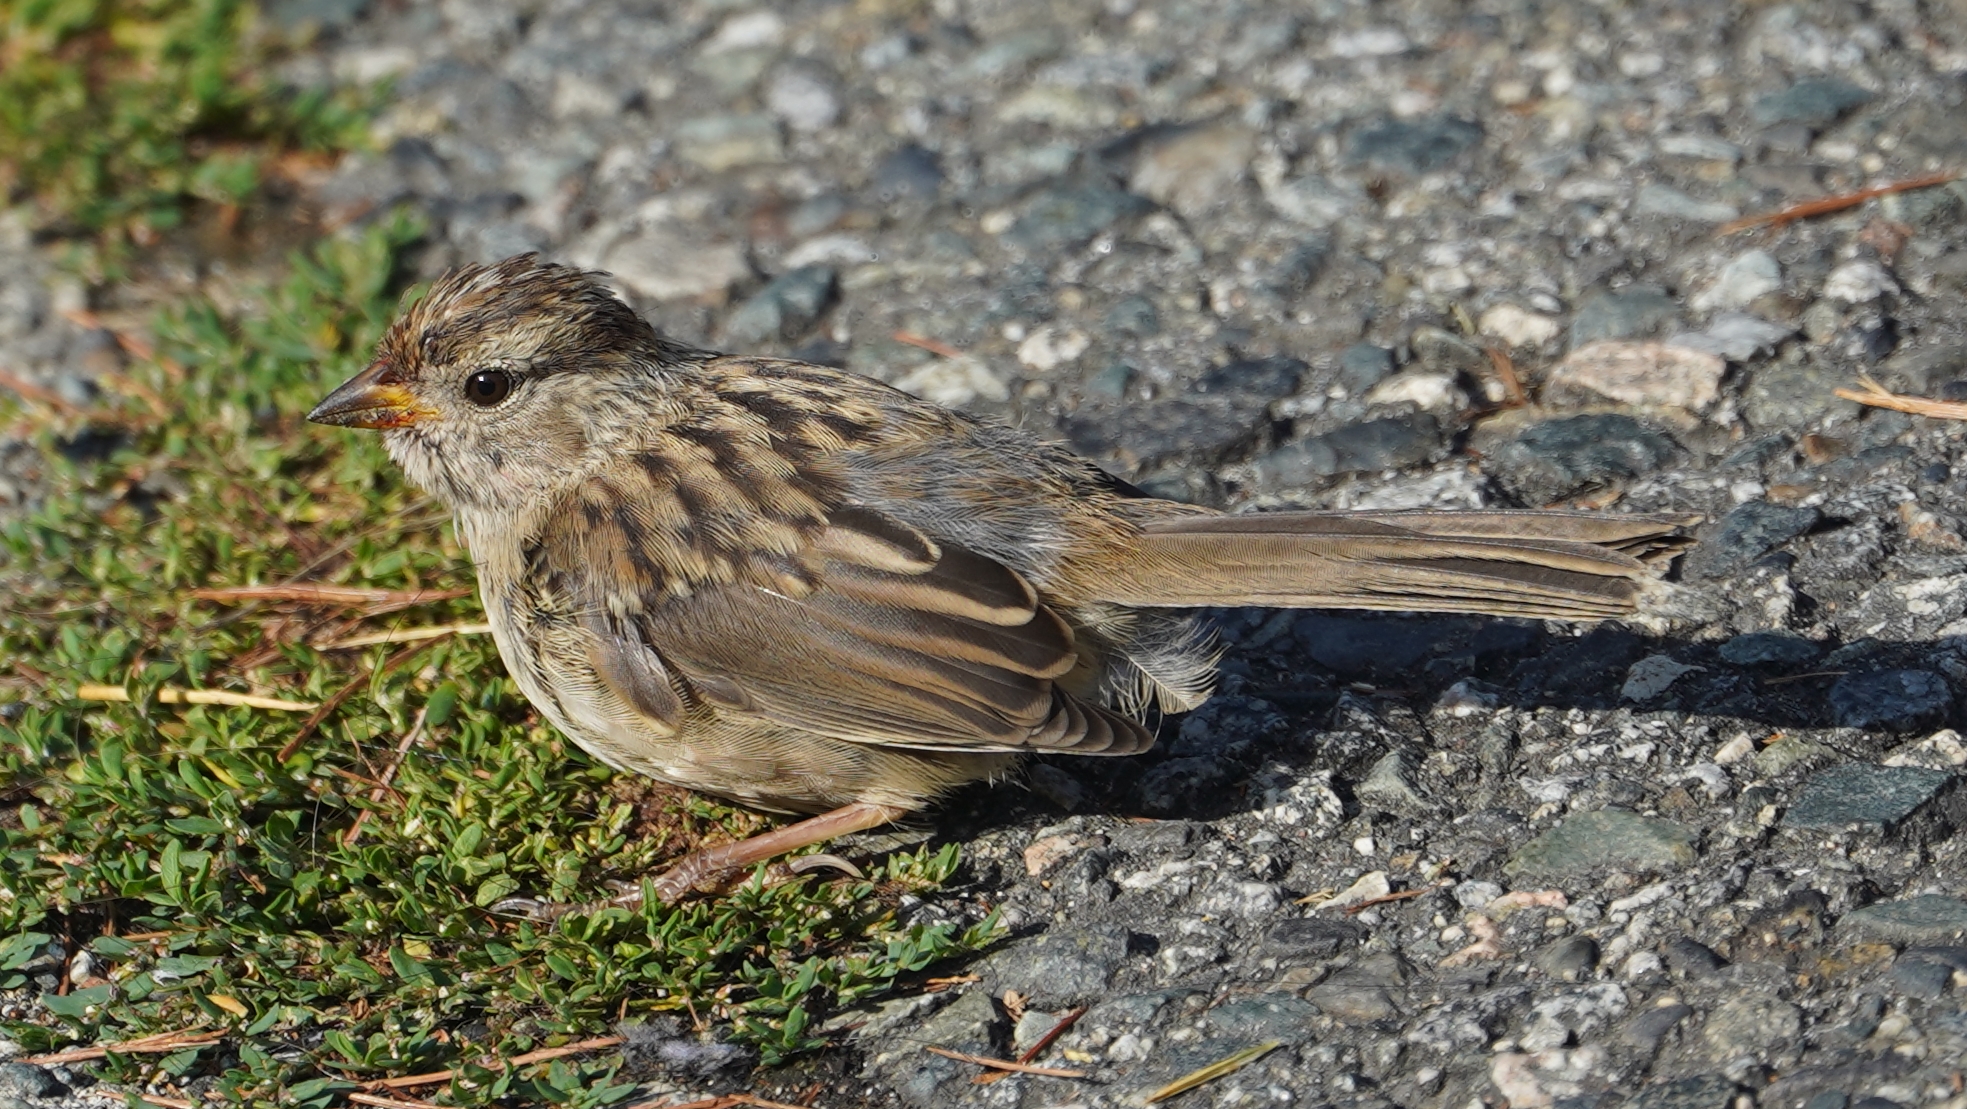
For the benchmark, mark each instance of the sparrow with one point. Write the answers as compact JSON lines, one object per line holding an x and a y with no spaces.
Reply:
{"x":799,"y":589}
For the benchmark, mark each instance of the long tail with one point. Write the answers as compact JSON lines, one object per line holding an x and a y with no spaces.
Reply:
{"x":1560,"y":565}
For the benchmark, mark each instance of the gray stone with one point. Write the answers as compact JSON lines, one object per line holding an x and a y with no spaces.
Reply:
{"x":1646,"y":1030}
{"x":786,"y":308}
{"x":1314,"y":937}
{"x":1772,"y":648}
{"x":1392,"y":443}
{"x":1195,"y":170}
{"x":1892,"y":700}
{"x":1412,"y":146}
{"x":1558,"y":458}
{"x":1796,"y":394}
{"x":1634,"y":312}
{"x":1925,"y":918}
{"x":1389,"y":787}
{"x":1069,"y":214}
{"x":1882,"y":797}
{"x":1655,"y":199}
{"x":726,"y":142}
{"x":911,"y":171}
{"x":1134,"y":316}
{"x":1752,"y":1025}
{"x":1748,"y":275}
{"x":1364,"y":992}
{"x":1736,"y":336}
{"x":26,"y":1080}
{"x":1266,"y":1017}
{"x":1063,"y":967}
{"x":1609,"y":839}
{"x":1816,"y":102}
{"x":1920,"y":978}
{"x":1708,"y":1091}
{"x":1218,"y":418}
{"x":1362,"y":366}
{"x":1748,"y":532}
{"x":1316,"y":202}
{"x":1571,"y":959}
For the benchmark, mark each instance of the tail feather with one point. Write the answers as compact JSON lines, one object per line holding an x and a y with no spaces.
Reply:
{"x":1575,"y":566}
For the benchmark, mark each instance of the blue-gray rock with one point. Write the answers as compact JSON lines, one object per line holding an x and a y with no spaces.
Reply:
{"x":1301,"y":266}
{"x":1571,"y":959}
{"x":1708,"y":1091}
{"x":1646,"y":1030}
{"x":1412,"y":146}
{"x":1063,"y":967}
{"x":1558,"y":458}
{"x":1892,"y":700}
{"x":1633,"y":312}
{"x":328,"y":15}
{"x":910,"y":172}
{"x":1691,"y":958}
{"x":1745,"y":534}
{"x":1315,"y":937}
{"x":1796,"y":394}
{"x":1272,"y":1016}
{"x":1364,"y":992}
{"x":786,"y":308}
{"x":1920,"y":978}
{"x":1882,"y":797}
{"x":1392,"y":443}
{"x":1609,"y":839}
{"x":1389,"y":787}
{"x":1135,"y":316}
{"x":1065,"y":215}
{"x":1815,"y":102}
{"x":1111,"y":383}
{"x":1925,"y":918}
{"x":1364,"y":365}
{"x":1774,"y":648}
{"x":1220,"y":417}
{"x":26,"y":1080}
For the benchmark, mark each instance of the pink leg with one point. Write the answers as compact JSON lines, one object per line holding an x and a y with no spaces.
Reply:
{"x":716,"y":862}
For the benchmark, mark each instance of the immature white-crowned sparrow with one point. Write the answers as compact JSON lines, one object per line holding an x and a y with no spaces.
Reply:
{"x":805,"y":591}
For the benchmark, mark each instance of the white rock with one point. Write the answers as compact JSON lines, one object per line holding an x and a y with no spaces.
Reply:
{"x":662,"y":264}
{"x":1643,"y":373}
{"x":955,"y":381}
{"x":1368,"y":42}
{"x":1519,"y":327}
{"x":749,"y":31}
{"x":1047,"y":348}
{"x":1315,"y":201}
{"x":832,"y":249}
{"x":1744,"y":278}
{"x":1736,"y":336}
{"x":1859,"y":282}
{"x":1432,"y":392}
{"x":804,"y":99}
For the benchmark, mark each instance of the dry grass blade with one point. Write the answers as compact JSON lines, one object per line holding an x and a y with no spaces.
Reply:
{"x":341,"y":595}
{"x":1512,"y":383}
{"x":143,"y":1045}
{"x":1003,"y":1064}
{"x":30,"y":391}
{"x":1878,"y":396}
{"x":1826,"y":205}
{"x":340,"y":695}
{"x":933,"y":346}
{"x":196,"y":697}
{"x":1032,"y":1052}
{"x":1397,"y":895}
{"x":404,"y":635}
{"x":167,"y":1102}
{"x":1213,"y":1071}
{"x":543,"y":1055}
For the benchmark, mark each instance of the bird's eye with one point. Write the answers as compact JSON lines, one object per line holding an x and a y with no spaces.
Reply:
{"x":487,"y":387}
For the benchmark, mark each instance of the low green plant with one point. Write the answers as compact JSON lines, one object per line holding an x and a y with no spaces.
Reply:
{"x":321,"y":898}
{"x":114,"y":114}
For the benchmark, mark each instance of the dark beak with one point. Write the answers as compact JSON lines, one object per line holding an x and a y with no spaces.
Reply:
{"x":374,"y":398}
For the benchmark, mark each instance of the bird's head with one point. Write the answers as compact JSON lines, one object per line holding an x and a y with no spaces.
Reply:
{"x":494,"y":389}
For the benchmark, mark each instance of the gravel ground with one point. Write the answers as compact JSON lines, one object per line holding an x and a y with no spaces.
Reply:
{"x":1251,"y":255}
